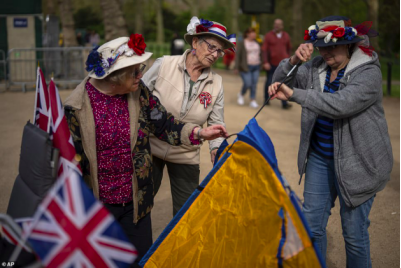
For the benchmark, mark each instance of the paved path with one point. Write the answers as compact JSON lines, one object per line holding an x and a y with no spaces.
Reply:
{"x":283,"y":127}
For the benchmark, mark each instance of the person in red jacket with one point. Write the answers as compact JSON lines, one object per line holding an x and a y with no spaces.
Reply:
{"x":276,"y":47}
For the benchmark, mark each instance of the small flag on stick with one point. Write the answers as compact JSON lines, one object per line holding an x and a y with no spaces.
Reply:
{"x":41,"y":109}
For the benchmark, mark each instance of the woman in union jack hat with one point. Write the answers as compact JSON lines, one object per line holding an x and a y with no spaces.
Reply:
{"x":345,"y":148}
{"x":111,"y":115}
{"x":191,"y":91}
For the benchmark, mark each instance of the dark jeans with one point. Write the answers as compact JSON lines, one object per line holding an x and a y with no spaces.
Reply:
{"x":269,"y":82}
{"x":140,"y":234}
{"x":183,"y":180}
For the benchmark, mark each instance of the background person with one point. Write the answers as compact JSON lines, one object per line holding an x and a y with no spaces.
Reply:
{"x":177,"y":45}
{"x":345,"y":148}
{"x":247,"y":62}
{"x":192,"y":92}
{"x":111,"y":115}
{"x":276,"y":47}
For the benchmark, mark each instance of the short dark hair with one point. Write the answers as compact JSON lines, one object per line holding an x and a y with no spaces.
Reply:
{"x":248,"y":31}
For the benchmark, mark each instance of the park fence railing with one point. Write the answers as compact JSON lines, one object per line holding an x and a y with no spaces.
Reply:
{"x":65,"y":64}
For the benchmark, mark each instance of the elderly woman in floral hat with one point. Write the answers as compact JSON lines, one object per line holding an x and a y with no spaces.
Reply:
{"x":192,"y":92}
{"x":111,"y":115}
{"x":345,"y":148}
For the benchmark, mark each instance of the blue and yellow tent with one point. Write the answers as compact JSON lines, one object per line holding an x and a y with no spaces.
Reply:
{"x":243,"y":214}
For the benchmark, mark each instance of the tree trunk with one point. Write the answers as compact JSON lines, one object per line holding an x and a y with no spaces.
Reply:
{"x":373,"y":14}
{"x":51,"y":7}
{"x":297,"y":32}
{"x":67,"y":22}
{"x":113,"y":19}
{"x":194,"y":7}
{"x":139,"y":16}
{"x":159,"y":22}
{"x":234,"y":17}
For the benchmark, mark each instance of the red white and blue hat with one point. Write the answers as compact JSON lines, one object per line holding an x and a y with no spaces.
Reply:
{"x":197,"y":27}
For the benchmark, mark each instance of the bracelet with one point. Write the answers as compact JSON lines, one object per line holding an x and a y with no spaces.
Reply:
{"x":199,"y":137}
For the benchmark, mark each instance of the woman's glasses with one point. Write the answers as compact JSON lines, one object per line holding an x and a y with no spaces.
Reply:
{"x":212,"y":49}
{"x":139,"y":71}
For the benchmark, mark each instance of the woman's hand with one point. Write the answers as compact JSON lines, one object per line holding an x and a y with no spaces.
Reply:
{"x":303,"y":53}
{"x":213,"y":155}
{"x":212,"y":132}
{"x":267,"y":66}
{"x":282,"y":93}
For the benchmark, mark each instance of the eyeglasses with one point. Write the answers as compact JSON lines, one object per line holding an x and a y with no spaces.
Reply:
{"x":138,"y":71}
{"x":212,"y":49}
{"x":328,"y":48}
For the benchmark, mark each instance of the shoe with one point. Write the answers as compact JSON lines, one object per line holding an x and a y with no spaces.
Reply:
{"x":240,"y":99}
{"x":288,"y":106}
{"x":254,"y":104}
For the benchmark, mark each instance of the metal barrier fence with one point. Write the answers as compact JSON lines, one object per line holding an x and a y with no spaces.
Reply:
{"x":3,"y":68}
{"x":65,"y":64}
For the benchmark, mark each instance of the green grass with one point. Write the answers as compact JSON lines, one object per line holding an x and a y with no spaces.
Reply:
{"x":395,"y":90}
{"x":395,"y":68}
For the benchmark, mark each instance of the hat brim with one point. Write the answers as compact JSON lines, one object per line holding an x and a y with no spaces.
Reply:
{"x":123,"y":62}
{"x":321,"y":43}
{"x":227,"y":44}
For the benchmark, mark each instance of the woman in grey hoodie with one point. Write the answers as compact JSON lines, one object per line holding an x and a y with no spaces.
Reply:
{"x":345,"y":148}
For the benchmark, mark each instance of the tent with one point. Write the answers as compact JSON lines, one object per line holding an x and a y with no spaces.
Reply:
{"x":243,"y":214}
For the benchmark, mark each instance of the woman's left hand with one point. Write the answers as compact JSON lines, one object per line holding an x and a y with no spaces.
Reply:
{"x":213,"y":132}
{"x":282,"y":93}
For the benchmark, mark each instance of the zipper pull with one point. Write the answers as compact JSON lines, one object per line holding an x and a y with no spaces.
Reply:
{"x":303,"y":171}
{"x":300,"y":179}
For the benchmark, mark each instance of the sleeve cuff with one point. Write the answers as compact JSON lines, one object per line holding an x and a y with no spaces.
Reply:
{"x":287,"y":66}
{"x":299,"y":96}
{"x":186,"y":132}
{"x":215,"y":144}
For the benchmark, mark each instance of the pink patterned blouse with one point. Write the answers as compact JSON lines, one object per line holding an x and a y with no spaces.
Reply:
{"x":112,"y":145}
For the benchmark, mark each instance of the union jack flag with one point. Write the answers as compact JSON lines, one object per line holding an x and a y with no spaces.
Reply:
{"x":73,"y":229}
{"x":41,"y":111}
{"x":14,"y":234}
{"x":60,"y":133}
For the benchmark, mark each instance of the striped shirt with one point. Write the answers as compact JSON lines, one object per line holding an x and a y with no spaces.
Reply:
{"x":322,"y":136}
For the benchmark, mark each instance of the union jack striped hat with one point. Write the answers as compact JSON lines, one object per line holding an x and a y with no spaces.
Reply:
{"x":198,"y":27}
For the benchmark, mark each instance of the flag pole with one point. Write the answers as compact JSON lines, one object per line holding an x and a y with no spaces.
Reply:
{"x":268,"y":99}
{"x":36,"y":94}
{"x":49,"y":122}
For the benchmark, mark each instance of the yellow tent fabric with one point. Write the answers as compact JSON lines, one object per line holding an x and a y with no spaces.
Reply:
{"x":243,"y":217}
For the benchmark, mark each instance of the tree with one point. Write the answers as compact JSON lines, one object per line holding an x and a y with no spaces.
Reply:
{"x":159,"y":22}
{"x":297,"y":33}
{"x":234,"y":16}
{"x":373,"y":14}
{"x":51,"y":7}
{"x":67,"y":23}
{"x":113,"y":19}
{"x":139,"y":16}
{"x":193,"y":7}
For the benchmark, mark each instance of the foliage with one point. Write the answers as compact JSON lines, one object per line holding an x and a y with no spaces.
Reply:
{"x":86,"y":18}
{"x":395,"y":90}
{"x":177,"y":15}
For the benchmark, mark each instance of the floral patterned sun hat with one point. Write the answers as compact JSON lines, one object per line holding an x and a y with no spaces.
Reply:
{"x":197,"y":27}
{"x":337,"y":30}
{"x":116,"y":54}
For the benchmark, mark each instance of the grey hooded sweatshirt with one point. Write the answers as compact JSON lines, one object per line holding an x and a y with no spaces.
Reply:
{"x":363,"y":155}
